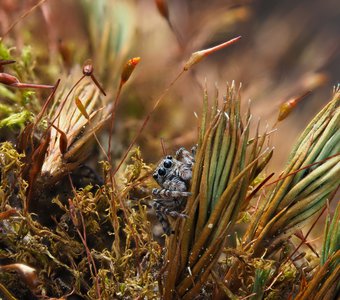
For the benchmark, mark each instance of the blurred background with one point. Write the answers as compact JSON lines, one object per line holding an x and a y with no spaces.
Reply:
{"x":287,"y":48}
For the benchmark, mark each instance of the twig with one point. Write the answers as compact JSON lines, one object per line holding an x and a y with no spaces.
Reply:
{"x":24,"y":15}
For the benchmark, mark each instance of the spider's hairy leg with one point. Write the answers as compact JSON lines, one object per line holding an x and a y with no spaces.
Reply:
{"x":166,"y":194}
{"x":167,"y":207}
{"x":163,"y":219}
{"x":194,"y":150}
{"x":185,"y":172}
{"x":185,"y":157}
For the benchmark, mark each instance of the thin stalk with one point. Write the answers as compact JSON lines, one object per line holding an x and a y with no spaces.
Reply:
{"x":146,"y":120}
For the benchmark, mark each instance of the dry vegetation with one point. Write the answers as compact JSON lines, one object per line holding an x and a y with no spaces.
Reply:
{"x":80,"y":138}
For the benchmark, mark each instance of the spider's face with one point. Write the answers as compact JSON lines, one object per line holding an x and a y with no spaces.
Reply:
{"x":173,"y":175}
{"x":164,"y":170}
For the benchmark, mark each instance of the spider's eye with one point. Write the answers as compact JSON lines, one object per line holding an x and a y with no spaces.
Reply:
{"x":169,"y":157}
{"x":161,"y":171}
{"x":155,"y":175}
{"x":167,"y":163}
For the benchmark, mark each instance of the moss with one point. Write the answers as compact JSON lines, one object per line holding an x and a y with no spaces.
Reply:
{"x":77,"y":219}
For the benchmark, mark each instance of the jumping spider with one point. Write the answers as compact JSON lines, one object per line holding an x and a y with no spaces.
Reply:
{"x":173,"y":176}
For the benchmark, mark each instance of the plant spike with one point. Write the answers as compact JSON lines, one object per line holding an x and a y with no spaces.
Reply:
{"x":163,"y":9}
{"x":128,"y":69}
{"x":88,"y":71}
{"x":196,"y":57}
{"x":125,"y":75}
{"x":287,"y":107}
{"x":81,"y":108}
{"x":13,"y":81}
{"x":62,"y":140}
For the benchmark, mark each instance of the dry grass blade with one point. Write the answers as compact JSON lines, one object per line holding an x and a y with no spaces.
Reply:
{"x":79,"y":129}
{"x":331,"y":242}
